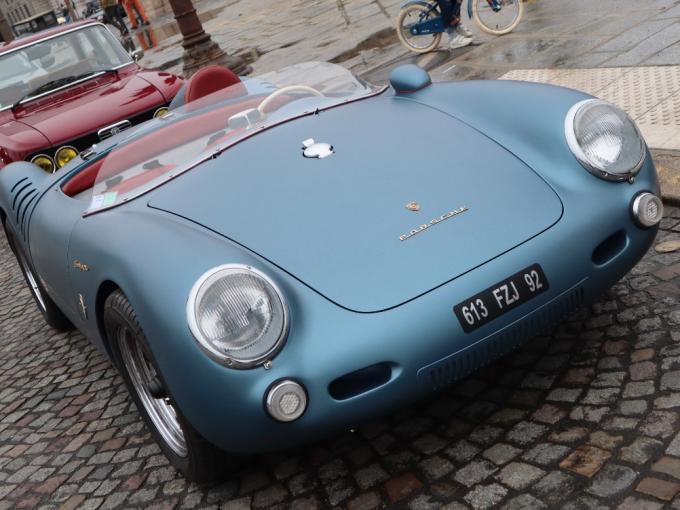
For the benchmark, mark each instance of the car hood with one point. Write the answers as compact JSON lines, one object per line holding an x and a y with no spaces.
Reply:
{"x":338,"y":224}
{"x":89,"y":106}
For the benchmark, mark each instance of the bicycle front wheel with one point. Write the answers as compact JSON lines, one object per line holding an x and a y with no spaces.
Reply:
{"x":497,"y":17}
{"x":411,"y":14}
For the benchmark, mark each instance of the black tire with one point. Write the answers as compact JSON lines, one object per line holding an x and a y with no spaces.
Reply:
{"x":201,"y":461}
{"x":53,"y":316}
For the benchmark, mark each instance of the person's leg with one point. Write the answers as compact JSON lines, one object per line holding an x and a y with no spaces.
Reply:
{"x":131,"y":15}
{"x":446,"y":9}
{"x":460,"y":28}
{"x":140,"y":9}
{"x":456,"y":9}
{"x":119,"y":16}
{"x":111,"y":13}
{"x":458,"y":35}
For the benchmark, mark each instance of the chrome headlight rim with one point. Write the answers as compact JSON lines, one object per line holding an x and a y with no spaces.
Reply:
{"x":62,"y":148}
{"x":577,"y":151}
{"x":43,"y":155}
{"x":161,"y":111}
{"x":206,"y":345}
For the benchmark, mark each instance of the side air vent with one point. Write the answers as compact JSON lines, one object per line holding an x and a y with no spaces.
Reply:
{"x":457,"y":366}
{"x":360,"y":381}
{"x":610,"y":248}
{"x":24,"y":194}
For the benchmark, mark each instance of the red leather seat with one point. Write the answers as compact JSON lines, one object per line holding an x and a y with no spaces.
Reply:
{"x":211,"y":79}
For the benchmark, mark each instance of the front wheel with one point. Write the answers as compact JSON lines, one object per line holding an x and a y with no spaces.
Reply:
{"x":411,"y":14}
{"x":182,"y":444}
{"x":497,"y":17}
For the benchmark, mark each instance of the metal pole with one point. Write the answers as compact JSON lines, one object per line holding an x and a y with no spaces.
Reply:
{"x":199,"y":49}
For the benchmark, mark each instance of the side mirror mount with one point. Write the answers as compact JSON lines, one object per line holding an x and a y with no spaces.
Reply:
{"x":245,"y":119}
{"x":137,"y":54}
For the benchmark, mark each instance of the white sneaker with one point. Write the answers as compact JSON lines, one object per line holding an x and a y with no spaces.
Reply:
{"x":463,"y":30}
{"x":458,"y":41}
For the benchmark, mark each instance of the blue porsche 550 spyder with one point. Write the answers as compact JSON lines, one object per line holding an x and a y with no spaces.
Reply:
{"x":280,"y":257}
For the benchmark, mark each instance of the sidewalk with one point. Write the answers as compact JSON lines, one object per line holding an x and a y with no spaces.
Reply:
{"x":283,"y":33}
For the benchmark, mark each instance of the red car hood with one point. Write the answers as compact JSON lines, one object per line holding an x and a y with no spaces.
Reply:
{"x":89,"y":106}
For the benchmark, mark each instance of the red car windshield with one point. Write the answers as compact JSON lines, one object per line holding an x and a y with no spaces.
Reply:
{"x":203,"y":128}
{"x":43,"y":66}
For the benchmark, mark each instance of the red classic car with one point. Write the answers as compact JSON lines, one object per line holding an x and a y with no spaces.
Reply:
{"x":64,"y":89}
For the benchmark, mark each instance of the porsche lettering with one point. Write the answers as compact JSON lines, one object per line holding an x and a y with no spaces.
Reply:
{"x":433,"y":222}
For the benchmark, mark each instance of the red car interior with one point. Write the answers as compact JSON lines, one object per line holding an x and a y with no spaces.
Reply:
{"x":211,"y":79}
{"x":154,"y":145}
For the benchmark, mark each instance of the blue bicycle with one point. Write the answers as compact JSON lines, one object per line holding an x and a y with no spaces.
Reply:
{"x":420,"y":24}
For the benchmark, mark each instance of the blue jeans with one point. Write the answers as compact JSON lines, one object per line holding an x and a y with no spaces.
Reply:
{"x":450,"y":10}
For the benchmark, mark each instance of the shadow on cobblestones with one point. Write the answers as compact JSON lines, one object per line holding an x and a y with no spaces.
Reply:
{"x":585,"y":418}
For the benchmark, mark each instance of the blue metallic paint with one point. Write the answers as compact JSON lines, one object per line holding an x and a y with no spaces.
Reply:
{"x":156,"y":257}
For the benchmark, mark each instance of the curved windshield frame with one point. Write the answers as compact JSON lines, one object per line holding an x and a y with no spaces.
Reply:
{"x":57,"y":62}
{"x":202,"y":129}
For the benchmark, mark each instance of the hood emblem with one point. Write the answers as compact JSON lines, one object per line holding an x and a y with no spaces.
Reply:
{"x":413,"y":206}
{"x":312,"y":149}
{"x":82,"y":267}
{"x":433,"y":222}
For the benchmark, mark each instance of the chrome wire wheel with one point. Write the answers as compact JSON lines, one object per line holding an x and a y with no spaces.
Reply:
{"x":142,"y":374}
{"x":32,"y":282}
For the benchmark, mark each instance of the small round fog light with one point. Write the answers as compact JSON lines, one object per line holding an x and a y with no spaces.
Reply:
{"x":286,"y":401}
{"x":647,"y":209}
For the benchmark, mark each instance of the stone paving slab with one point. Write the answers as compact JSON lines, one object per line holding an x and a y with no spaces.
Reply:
{"x":650,"y":95}
{"x":584,"y":417}
{"x":668,"y":167}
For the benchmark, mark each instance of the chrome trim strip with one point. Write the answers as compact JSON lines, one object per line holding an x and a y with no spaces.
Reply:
{"x":203,"y":158}
{"x":89,"y":25}
{"x":103,"y":131}
{"x":578,"y":153}
{"x":222,"y":358}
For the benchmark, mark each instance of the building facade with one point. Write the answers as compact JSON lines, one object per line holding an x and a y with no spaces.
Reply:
{"x":18,"y":10}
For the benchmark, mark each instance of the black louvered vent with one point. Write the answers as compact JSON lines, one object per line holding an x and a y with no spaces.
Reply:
{"x":24,"y":194}
{"x":458,"y":366}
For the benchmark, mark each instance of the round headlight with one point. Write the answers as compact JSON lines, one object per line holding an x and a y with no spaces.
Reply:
{"x":161,"y":112}
{"x":44,"y":161}
{"x":237,"y":315}
{"x":64,"y":155}
{"x":604,"y":140}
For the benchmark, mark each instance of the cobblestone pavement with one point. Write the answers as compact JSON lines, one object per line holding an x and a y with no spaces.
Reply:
{"x":587,"y":418}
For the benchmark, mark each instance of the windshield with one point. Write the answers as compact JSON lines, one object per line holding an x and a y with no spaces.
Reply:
{"x":203,"y":128}
{"x":54,"y":62}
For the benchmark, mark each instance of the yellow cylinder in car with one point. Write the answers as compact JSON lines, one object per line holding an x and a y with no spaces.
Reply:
{"x":44,"y":161}
{"x":161,"y":112}
{"x":64,"y":155}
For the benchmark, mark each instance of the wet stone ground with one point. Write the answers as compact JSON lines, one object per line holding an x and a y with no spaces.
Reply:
{"x":585,"y":418}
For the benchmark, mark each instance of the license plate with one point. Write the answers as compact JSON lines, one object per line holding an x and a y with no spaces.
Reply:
{"x":493,"y":302}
